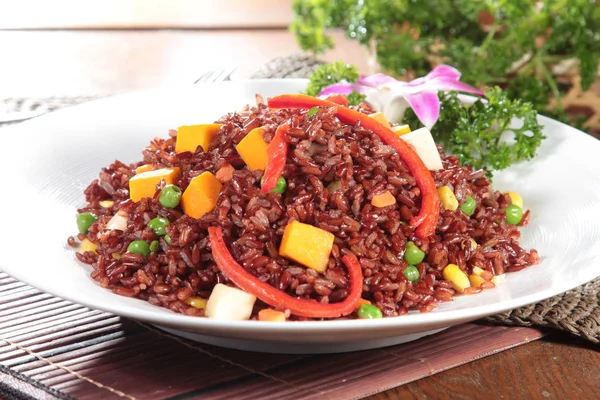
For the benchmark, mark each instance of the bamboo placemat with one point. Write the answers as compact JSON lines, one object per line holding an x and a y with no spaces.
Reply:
{"x":53,"y":349}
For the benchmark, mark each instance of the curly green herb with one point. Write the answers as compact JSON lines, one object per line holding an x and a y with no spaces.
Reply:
{"x":482,"y":134}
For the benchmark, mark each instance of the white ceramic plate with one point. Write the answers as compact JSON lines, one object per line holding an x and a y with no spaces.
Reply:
{"x":47,"y":162}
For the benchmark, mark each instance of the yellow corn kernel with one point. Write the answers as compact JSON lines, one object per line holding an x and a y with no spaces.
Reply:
{"x":476,"y":280}
{"x":196,"y":302}
{"x":379,"y":117}
{"x":459,"y":279}
{"x":515,"y":199}
{"x":87,"y":245}
{"x":116,"y":256}
{"x":447,"y":198}
{"x":268,"y":314}
{"x":106,"y":203}
{"x":401,"y":129}
{"x":478,"y":271}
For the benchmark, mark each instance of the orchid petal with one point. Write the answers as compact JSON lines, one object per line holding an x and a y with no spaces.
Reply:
{"x":342,"y":88}
{"x":417,"y":82}
{"x":375,"y":80}
{"x":446,"y":83}
{"x":445,"y":71}
{"x":426,"y":106}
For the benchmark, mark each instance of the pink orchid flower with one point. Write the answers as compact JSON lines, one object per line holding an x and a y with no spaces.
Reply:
{"x":392,"y":96}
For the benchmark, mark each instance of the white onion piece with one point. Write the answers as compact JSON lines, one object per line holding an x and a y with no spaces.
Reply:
{"x":228,"y":303}
{"x":118,"y":222}
{"x":424,"y":145}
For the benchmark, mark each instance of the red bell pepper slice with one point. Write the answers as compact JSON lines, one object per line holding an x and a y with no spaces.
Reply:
{"x":427,"y":219}
{"x":276,"y":157}
{"x":277,"y":298}
{"x":338,"y":99}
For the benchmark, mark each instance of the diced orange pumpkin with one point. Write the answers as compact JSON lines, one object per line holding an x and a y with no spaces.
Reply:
{"x":253,"y":149}
{"x":401,"y":129}
{"x":144,"y":185}
{"x":268,"y":314}
{"x":307,"y":245}
{"x":380,"y":118}
{"x":383,"y":200}
{"x":191,"y":136}
{"x":201,"y":195}
{"x":144,"y":168}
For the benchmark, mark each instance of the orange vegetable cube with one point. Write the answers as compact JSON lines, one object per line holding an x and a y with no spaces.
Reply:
{"x":380,"y":118}
{"x":307,"y":245}
{"x":191,"y":136}
{"x":383,"y":200}
{"x":144,"y":185}
{"x":144,"y":168}
{"x":268,"y":314}
{"x":401,"y":129}
{"x":253,"y":149}
{"x":201,"y":195}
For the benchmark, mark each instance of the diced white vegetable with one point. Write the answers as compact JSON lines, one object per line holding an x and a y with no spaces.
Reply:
{"x":228,"y":303}
{"x":118,"y":222}
{"x":423,"y":143}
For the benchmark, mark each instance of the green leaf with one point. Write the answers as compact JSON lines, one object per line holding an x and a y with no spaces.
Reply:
{"x":312,"y":111}
{"x":355,"y":98}
{"x":482,"y":134}
{"x":328,"y":74}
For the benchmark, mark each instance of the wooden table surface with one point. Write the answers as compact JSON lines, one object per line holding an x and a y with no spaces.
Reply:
{"x":47,"y":63}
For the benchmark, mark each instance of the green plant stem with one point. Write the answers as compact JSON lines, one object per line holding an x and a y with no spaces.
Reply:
{"x":551,"y":82}
{"x":488,"y":39}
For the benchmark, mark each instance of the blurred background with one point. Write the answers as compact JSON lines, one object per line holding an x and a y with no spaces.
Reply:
{"x":545,"y":52}
{"x":75,"y":48}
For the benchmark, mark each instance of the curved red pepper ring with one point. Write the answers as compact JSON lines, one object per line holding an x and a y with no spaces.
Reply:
{"x":427,"y":219}
{"x":277,"y":298}
{"x":276,"y":158}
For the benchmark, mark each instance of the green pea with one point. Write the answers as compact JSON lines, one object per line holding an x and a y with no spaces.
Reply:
{"x":279,"y":187}
{"x":412,"y":273}
{"x":85,"y":220}
{"x":412,"y":254}
{"x":158,"y":225}
{"x":139,"y":247}
{"x":154,"y":246}
{"x":170,"y":196}
{"x":514,"y":214}
{"x":369,"y":311}
{"x":168,"y":239}
{"x":468,"y":207}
